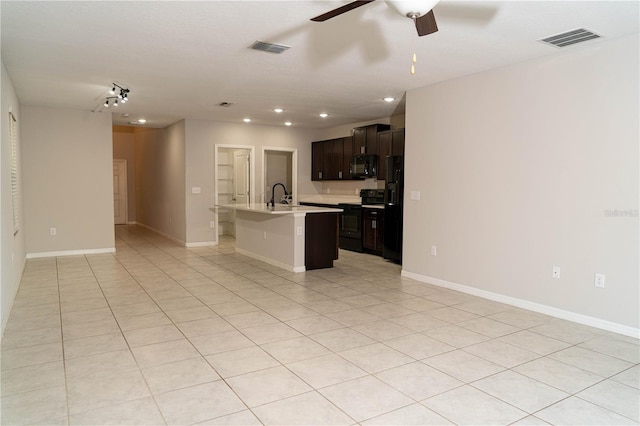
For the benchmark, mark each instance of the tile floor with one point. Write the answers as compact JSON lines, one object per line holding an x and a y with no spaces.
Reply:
{"x":160,"y":334}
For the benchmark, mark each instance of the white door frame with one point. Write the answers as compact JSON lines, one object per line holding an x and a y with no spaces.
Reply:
{"x":294,"y":169}
{"x":252,"y":175}
{"x":126,"y":183}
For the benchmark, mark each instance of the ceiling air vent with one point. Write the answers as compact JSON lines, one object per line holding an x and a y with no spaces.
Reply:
{"x":570,"y":37}
{"x":269,"y":47}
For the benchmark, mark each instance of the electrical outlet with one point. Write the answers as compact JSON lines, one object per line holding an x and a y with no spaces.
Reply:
{"x":599,"y":280}
{"x":555,"y":273}
{"x":53,"y":231}
{"x":434,"y":250}
{"x":212,"y":224}
{"x":299,"y":230}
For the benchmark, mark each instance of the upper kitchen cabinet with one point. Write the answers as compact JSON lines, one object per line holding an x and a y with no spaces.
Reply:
{"x":390,"y":142}
{"x":330,"y":159}
{"x":365,"y":139}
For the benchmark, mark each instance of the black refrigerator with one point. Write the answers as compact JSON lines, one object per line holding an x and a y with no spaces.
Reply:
{"x":394,"y":188}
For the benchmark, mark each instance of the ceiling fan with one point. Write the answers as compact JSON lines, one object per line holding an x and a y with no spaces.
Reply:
{"x":420,"y":11}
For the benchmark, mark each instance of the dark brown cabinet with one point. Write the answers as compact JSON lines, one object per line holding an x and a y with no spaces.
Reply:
{"x":390,"y":142}
{"x":365,"y":138}
{"x":330,"y":159}
{"x":321,"y":241}
{"x":317,"y":157}
{"x":373,"y":230}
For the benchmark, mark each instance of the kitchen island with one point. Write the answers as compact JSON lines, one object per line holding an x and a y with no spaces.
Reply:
{"x":295,"y":238}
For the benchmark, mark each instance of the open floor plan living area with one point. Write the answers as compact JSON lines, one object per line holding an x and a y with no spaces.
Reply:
{"x":161,"y":334}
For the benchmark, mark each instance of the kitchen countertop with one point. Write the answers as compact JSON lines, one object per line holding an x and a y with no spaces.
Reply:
{"x":280,"y":209}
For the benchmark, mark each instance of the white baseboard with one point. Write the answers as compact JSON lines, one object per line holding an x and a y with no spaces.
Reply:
{"x":162,"y":234}
{"x":201,"y":244}
{"x":70,"y":253}
{"x":271,"y":261}
{"x":532,"y":306}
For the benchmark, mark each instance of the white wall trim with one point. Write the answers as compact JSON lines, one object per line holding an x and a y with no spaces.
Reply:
{"x":162,"y":234}
{"x":271,"y":261}
{"x":70,"y":253}
{"x":532,"y":306}
{"x":202,"y":244}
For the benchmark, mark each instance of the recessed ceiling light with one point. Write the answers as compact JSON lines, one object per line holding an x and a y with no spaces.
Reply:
{"x":388,"y":99}
{"x":324,"y":115}
{"x":278,"y":110}
{"x":142,"y":120}
{"x":288,"y":123}
{"x":246,"y":120}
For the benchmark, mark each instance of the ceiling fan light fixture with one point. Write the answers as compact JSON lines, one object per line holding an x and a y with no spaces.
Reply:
{"x":412,"y":8}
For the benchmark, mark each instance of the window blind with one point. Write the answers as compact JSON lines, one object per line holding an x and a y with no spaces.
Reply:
{"x":14,"y":173}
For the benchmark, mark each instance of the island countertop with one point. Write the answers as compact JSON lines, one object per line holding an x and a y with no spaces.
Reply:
{"x":280,"y":209}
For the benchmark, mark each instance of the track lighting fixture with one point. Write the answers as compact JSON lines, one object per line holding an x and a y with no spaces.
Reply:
{"x":123,"y":95}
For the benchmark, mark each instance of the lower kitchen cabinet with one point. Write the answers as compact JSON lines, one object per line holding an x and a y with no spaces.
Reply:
{"x":373,"y":230}
{"x":321,"y":240}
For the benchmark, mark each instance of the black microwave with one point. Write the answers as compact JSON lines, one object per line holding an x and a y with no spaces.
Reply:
{"x":364,"y":166}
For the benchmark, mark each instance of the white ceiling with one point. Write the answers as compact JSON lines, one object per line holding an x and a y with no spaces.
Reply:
{"x":180,"y":59}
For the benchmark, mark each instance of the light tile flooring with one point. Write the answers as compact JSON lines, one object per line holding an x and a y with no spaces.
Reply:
{"x":159,"y":334}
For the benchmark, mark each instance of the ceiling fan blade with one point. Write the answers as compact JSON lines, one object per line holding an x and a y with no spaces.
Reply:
{"x":340,"y":10}
{"x":426,"y":24}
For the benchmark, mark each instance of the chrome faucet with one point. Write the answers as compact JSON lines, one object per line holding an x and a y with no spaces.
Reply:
{"x":273,"y":190}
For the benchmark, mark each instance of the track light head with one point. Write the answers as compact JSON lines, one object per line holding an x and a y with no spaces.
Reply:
{"x":115,"y":103}
{"x":113,"y":90}
{"x":106,"y":103}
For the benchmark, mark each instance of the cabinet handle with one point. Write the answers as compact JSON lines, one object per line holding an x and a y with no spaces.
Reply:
{"x":340,"y":175}
{"x":373,"y":224}
{"x":319,"y":175}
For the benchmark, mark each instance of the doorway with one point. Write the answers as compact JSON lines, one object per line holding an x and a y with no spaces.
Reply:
{"x":120,"y":205}
{"x":280,"y":166}
{"x":234,"y":183}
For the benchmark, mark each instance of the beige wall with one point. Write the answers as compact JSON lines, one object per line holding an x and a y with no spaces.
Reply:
{"x":68,"y":180}
{"x":12,"y":248}
{"x":124,"y":148}
{"x":518,"y":168}
{"x":160,"y":177}
{"x":201,"y":138}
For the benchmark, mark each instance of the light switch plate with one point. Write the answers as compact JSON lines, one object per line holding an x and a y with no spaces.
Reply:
{"x":415,"y":195}
{"x":195,"y":190}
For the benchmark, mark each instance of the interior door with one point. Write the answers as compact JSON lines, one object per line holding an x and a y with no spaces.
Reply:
{"x":241,"y":176}
{"x":120,"y":192}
